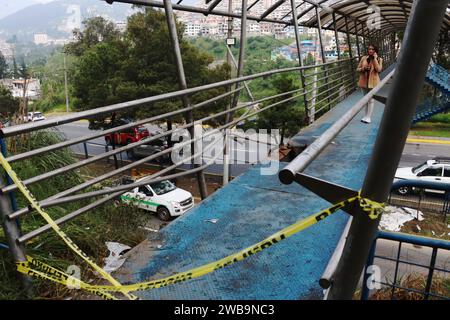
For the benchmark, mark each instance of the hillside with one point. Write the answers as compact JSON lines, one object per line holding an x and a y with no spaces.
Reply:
{"x":57,"y":18}
{"x":10,"y":7}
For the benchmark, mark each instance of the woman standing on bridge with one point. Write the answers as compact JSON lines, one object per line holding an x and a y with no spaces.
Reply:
{"x":369,"y":67}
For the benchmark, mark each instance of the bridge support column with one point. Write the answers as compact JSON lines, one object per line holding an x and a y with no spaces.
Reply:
{"x":171,"y":24}
{"x":336,"y":37}
{"x":420,"y":35}
{"x":357,"y":40}
{"x":300,"y":60}
{"x":350,"y":53}
{"x":12,"y":232}
{"x":322,"y":51}
{"x":239,"y":73}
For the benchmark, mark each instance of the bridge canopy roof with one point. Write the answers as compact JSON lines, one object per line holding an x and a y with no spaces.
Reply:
{"x":393,"y":15}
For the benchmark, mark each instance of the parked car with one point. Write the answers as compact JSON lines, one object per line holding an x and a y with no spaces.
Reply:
{"x":126,"y":136}
{"x":150,"y":148}
{"x":162,"y":198}
{"x":35,"y":116}
{"x":435,"y":170}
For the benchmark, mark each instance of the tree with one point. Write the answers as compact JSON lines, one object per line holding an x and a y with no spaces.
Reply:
{"x":288,"y":116}
{"x":139,"y":64}
{"x":8,"y":104}
{"x":96,"y":30}
{"x":3,"y":66}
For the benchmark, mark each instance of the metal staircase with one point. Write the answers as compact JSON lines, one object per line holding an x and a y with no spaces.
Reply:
{"x":439,"y":78}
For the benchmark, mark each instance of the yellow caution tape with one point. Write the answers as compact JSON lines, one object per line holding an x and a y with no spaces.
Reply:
{"x":47,"y":272}
{"x":372,"y":208}
{"x":245,"y":253}
{"x":35,"y":204}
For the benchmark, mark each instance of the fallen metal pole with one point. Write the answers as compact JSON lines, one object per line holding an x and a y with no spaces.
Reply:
{"x":420,"y":35}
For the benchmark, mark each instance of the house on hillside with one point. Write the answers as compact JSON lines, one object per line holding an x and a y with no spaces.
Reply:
{"x":16,"y":86}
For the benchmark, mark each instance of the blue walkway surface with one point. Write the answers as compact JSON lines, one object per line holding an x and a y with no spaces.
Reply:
{"x":249,"y":209}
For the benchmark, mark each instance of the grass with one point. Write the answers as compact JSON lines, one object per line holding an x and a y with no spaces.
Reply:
{"x":89,"y":231}
{"x":439,"y":286}
{"x":432,"y":129}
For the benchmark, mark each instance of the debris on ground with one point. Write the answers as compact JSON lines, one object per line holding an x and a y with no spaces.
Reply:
{"x":115,"y":259}
{"x":394,"y":218}
{"x":148,"y":229}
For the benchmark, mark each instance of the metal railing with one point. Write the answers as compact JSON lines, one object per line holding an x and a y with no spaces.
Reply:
{"x":438,"y":74}
{"x":396,"y":286}
{"x":427,"y":196}
{"x":66,"y":196}
{"x":416,"y":200}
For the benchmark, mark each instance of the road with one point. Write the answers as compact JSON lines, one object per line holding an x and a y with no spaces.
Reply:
{"x":240,"y":151}
{"x":415,"y":153}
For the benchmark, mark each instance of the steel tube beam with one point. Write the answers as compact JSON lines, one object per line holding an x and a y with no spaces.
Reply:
{"x":271,"y":9}
{"x":253,"y":4}
{"x":236,"y":65}
{"x":28,"y":127}
{"x":130,"y":146}
{"x":96,"y":180}
{"x":299,"y":50}
{"x":350,"y":53}
{"x":357,"y":40}
{"x":239,"y":71}
{"x":99,"y":202}
{"x":183,"y":85}
{"x":242,"y":43}
{"x":325,"y":279}
{"x":158,"y":4}
{"x":348,"y":88}
{"x":336,"y":37}
{"x":213,"y":5}
{"x":70,"y":142}
{"x":12,"y":233}
{"x":299,"y":164}
{"x":80,"y":211}
{"x":420,"y":35}
{"x":319,"y":30}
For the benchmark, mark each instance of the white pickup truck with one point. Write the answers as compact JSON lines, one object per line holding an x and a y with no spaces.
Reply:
{"x":163,"y":197}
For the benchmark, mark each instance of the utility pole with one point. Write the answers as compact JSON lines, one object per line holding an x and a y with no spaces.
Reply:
{"x":65,"y":83}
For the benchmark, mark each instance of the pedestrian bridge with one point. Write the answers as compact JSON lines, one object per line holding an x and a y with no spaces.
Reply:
{"x":341,"y":156}
{"x":251,"y":208}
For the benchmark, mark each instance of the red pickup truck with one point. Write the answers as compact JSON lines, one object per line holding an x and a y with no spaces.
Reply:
{"x":127,"y":136}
